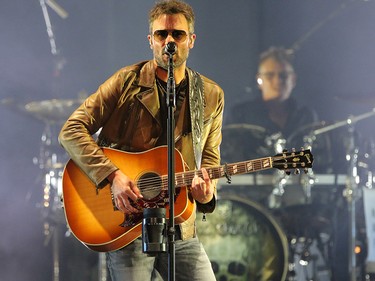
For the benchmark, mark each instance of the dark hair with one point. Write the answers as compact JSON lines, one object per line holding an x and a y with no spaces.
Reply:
{"x":171,"y":7}
{"x":279,"y":54}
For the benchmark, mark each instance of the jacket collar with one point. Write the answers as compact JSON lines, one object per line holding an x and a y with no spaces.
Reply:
{"x":148,"y":89}
{"x":147,"y":75}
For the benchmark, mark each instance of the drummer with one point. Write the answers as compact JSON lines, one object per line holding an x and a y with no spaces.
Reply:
{"x":275,"y":110}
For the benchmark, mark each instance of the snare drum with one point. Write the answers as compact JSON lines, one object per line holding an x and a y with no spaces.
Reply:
{"x":243,"y":241}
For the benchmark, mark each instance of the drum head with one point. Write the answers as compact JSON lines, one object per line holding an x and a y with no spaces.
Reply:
{"x":243,"y":241}
{"x":243,"y":142}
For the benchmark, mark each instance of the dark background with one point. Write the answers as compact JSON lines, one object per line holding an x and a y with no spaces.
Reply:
{"x":334,"y":47}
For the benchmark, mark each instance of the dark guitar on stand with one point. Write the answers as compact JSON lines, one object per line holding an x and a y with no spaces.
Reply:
{"x":93,"y":218}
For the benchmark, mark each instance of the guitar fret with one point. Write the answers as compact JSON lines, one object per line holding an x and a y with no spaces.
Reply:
{"x":180,"y":179}
{"x":210,"y":173}
{"x":234,"y":169}
{"x":265,"y":163}
{"x":221,"y":172}
{"x":241,"y":168}
{"x":249,"y":166}
{"x":257,"y":165}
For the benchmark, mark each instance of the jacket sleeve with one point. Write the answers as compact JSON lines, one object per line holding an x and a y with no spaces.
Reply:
{"x":211,"y":151}
{"x":76,"y":134}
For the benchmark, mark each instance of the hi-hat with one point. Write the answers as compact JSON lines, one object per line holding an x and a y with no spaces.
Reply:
{"x":55,"y":110}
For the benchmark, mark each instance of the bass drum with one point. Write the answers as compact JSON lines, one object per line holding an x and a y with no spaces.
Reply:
{"x":243,"y":242}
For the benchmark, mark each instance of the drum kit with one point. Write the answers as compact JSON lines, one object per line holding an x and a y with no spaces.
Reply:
{"x":314,"y":222}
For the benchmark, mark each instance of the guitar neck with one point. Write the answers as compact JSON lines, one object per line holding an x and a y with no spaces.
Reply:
{"x":227,"y":170}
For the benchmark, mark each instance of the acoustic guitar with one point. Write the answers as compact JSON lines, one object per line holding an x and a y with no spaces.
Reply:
{"x":91,"y":213}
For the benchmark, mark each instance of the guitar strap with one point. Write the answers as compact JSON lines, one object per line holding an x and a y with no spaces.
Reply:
{"x":196,"y":102}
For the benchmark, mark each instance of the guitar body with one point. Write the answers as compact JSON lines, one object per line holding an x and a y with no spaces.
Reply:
{"x":90,"y":212}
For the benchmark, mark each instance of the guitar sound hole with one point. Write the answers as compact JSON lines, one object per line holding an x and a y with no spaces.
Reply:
{"x":150,"y":185}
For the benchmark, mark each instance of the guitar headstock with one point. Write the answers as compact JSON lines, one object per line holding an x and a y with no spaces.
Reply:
{"x":296,"y":160}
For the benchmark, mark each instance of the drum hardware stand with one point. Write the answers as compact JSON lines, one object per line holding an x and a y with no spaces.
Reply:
{"x":351,"y":194}
{"x":275,"y":198}
{"x":308,"y":180}
{"x":51,"y":205}
{"x":102,"y":273}
{"x":280,"y":177}
{"x":305,"y":258}
{"x":48,"y":159}
{"x":52,"y":113}
{"x":52,"y":165}
{"x":351,"y":191}
{"x":277,"y":142}
{"x":301,"y":247}
{"x":51,"y":162}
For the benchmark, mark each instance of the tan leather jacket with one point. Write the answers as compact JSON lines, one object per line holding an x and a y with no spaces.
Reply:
{"x":126,"y":109}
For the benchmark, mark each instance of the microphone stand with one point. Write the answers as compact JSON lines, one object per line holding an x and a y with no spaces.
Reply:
{"x":171,"y":104}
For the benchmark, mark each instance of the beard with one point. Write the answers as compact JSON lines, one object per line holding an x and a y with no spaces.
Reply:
{"x":178,"y":59}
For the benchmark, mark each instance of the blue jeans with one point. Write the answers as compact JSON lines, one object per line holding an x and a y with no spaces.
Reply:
{"x":130,"y":264}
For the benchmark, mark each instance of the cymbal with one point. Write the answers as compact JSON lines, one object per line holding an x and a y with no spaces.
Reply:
{"x":55,"y":110}
{"x":244,"y":127}
{"x":306,"y":129}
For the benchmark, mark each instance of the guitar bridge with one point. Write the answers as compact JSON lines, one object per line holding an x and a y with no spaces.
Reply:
{"x":131,"y":219}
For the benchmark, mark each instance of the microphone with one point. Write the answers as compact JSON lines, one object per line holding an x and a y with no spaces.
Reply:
{"x":170,"y":48}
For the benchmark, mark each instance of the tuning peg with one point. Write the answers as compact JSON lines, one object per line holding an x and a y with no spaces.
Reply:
{"x":287,"y":172}
{"x":305,"y":170}
{"x":285,"y":150}
{"x":297,"y":171}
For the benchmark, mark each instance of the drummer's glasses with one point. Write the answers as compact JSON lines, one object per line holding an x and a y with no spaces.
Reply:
{"x":283,"y":75}
{"x":178,"y":35}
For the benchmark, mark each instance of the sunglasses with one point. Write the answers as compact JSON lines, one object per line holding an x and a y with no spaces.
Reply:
{"x":283,"y":75}
{"x":178,"y":35}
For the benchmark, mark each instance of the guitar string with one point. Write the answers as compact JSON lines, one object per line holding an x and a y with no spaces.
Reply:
{"x":190,"y":174}
{"x":154,"y":182}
